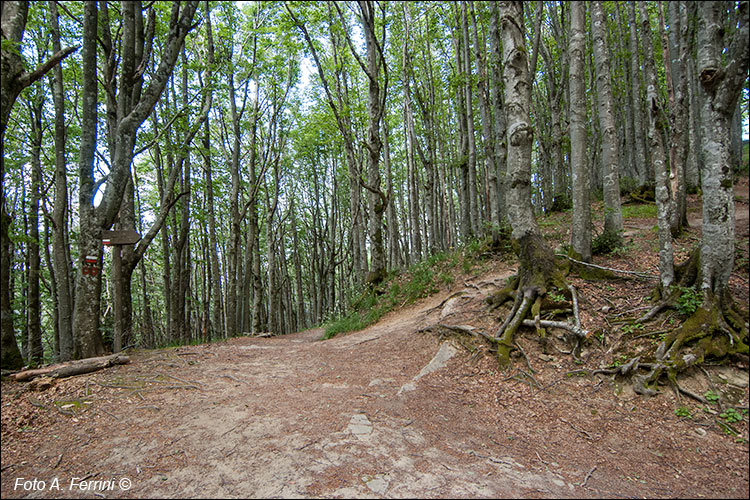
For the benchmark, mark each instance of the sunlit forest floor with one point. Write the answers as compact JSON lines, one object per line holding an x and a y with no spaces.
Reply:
{"x":403,"y":408}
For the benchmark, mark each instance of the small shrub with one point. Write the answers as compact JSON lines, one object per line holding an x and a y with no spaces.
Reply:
{"x":689,"y":301}
{"x":683,"y":411}
{"x":711,"y":396}
{"x":731,"y":415}
{"x":605,"y":243}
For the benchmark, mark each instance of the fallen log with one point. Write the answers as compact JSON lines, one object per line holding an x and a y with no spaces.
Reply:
{"x":78,"y":367}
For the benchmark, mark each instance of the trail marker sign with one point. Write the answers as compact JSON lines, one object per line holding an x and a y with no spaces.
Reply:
{"x":126,"y":237}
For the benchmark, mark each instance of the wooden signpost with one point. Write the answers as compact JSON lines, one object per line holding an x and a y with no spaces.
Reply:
{"x":126,"y":237}
{"x":116,"y":239}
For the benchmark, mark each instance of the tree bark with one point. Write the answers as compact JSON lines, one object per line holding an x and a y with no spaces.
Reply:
{"x":642,"y":166}
{"x":720,"y":86}
{"x":613,"y":226}
{"x":72,"y":368}
{"x":61,"y":245}
{"x":469,"y":117}
{"x":500,"y":139}
{"x":580,"y":236}
{"x":132,"y":107}
{"x":663,"y":194}
{"x":33,"y":312}
{"x":377,"y":200}
{"x":14,"y":80}
{"x":676,"y":52}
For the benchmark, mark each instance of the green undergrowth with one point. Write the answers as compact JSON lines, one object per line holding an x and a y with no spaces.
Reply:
{"x":639,"y":211}
{"x":402,"y":288}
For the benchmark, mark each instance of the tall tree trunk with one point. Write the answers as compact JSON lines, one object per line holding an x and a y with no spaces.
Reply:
{"x":14,"y":80}
{"x":132,"y":107}
{"x":61,"y":252}
{"x":613,"y":226}
{"x":33,"y":313}
{"x":639,"y":133}
{"x":493,"y":216}
{"x":663,"y":194}
{"x":627,"y":167}
{"x":415,"y":234}
{"x":537,"y":265}
{"x":720,"y":86}
{"x":580,"y":236}
{"x":395,"y":260}
{"x":377,"y":201}
{"x":470,"y":136}
{"x":298,"y":289}
{"x":87,"y":340}
{"x":498,"y":109}
{"x":674,"y":45}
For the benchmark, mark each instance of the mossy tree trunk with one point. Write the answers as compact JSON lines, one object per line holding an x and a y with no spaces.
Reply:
{"x":718,"y":327}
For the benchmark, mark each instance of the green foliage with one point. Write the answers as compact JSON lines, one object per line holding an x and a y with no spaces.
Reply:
{"x":731,"y":415}
{"x":711,"y":396}
{"x":619,"y":361}
{"x":625,"y":249}
{"x":605,"y":243}
{"x":628,"y":329}
{"x":646,"y":211}
{"x":683,"y":411}
{"x":556,"y":297}
{"x":421,"y":280}
{"x":689,"y":300}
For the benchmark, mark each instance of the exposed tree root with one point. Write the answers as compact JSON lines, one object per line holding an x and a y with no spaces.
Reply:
{"x":538,"y":274}
{"x":717,"y":329}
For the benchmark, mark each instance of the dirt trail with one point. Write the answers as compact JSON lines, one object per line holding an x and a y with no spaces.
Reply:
{"x":359,"y":416}
{"x":398,"y":410}
{"x":291,"y":417}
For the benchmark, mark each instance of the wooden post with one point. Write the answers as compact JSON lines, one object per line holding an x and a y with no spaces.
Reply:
{"x":117,"y":239}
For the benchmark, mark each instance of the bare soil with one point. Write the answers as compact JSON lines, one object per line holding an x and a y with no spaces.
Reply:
{"x":402,"y":409}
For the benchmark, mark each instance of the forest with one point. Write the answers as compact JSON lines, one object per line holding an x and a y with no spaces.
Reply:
{"x":182,"y":172}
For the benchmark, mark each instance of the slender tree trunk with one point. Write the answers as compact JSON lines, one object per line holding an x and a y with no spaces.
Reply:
{"x":493,"y":215}
{"x":14,"y":80}
{"x":377,"y":201}
{"x":613,"y":226}
{"x":415,"y":234}
{"x":674,"y":44}
{"x":394,"y":248}
{"x":498,"y":110}
{"x":61,"y":255}
{"x":580,"y":236}
{"x":639,"y":134}
{"x":470,"y":136}
{"x":87,"y":340}
{"x":663,"y":194}
{"x":627,"y":167}
{"x":33,"y":313}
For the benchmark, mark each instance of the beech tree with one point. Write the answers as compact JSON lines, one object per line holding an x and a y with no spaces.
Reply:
{"x":538,"y":273}
{"x":15,"y":79}
{"x":580,"y":234}
{"x":719,"y":326}
{"x":613,"y":226}
{"x":133,"y":107}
